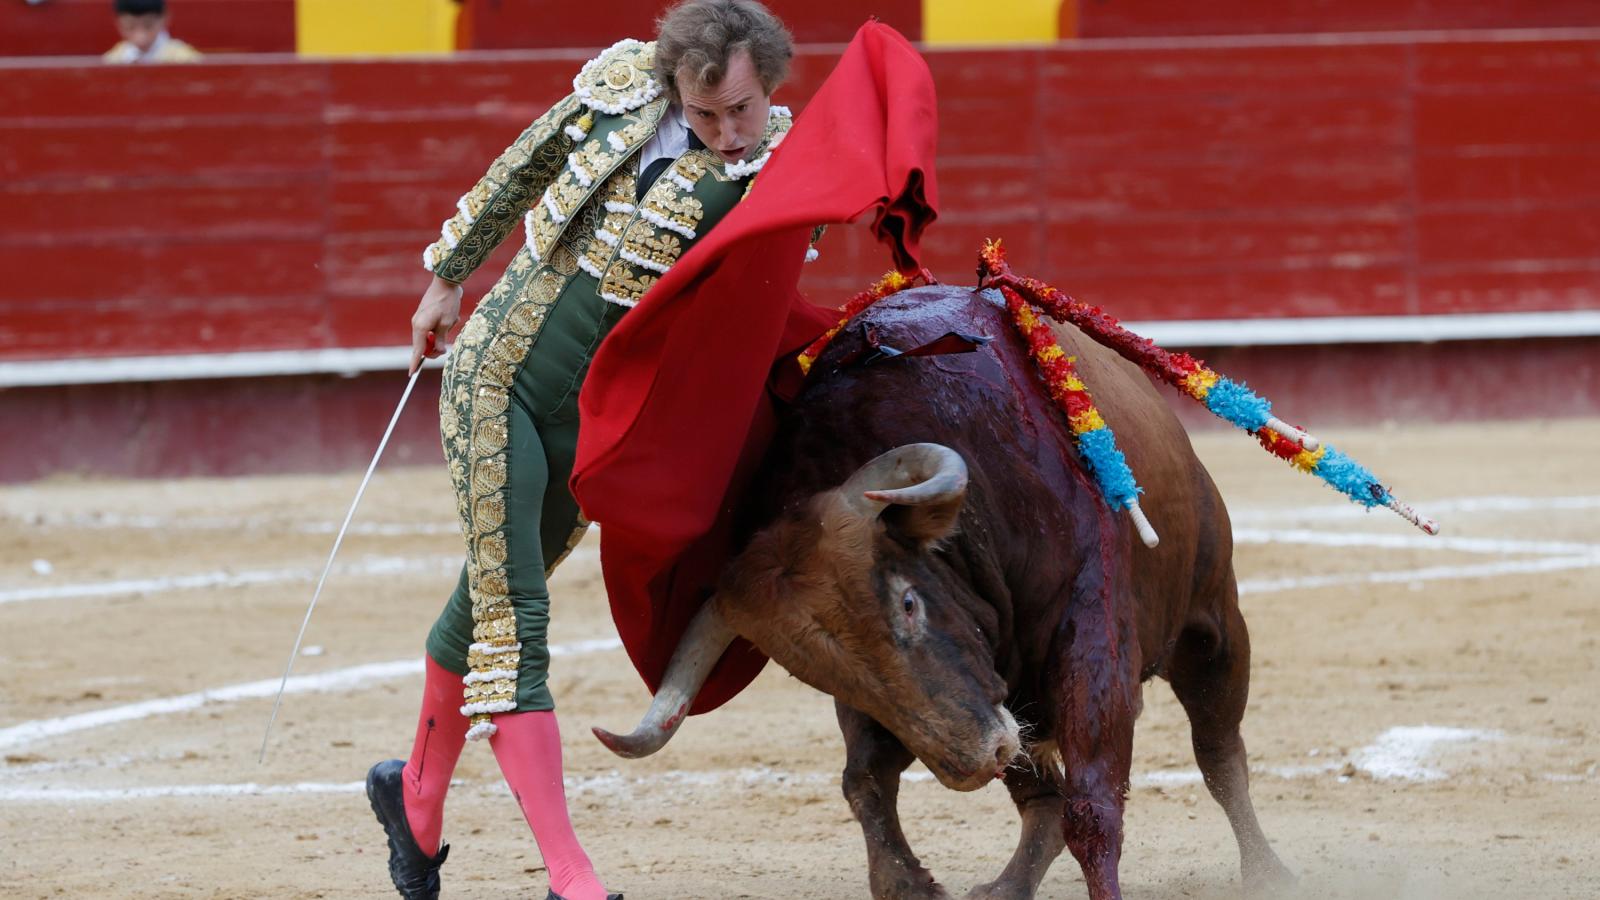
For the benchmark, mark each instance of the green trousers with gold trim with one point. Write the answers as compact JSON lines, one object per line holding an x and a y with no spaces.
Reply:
{"x":532,"y":511}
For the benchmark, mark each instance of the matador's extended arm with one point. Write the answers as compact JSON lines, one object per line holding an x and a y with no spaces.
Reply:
{"x":495,"y":206}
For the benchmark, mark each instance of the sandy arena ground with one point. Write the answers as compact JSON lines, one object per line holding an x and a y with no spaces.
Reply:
{"x":1422,"y":723}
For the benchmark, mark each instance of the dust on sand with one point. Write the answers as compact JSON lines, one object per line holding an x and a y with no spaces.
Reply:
{"x":1421,"y":722}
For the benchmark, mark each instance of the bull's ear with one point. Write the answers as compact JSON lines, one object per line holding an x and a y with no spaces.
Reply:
{"x":927,"y":524}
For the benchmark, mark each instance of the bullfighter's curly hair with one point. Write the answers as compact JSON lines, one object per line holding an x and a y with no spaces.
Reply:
{"x":695,"y":38}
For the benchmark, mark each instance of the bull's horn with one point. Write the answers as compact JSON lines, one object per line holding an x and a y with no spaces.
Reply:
{"x":702,"y":644}
{"x":911,"y":475}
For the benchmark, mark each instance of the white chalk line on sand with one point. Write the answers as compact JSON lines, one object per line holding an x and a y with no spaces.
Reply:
{"x":1387,"y":541}
{"x":28,"y":732}
{"x":1398,"y":754}
{"x":112,"y":521}
{"x":372,"y":566}
{"x":1587,"y":557}
{"x":1543,"y":565}
{"x":1574,"y":553}
{"x":354,"y":677}
{"x":1434,"y":508}
{"x":367,"y":566}
{"x":147,"y":521}
{"x":166,"y":791}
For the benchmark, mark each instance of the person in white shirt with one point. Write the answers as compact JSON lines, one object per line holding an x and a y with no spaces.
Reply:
{"x":145,"y":39}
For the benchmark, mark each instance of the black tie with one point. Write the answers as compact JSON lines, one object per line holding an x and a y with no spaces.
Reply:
{"x":657,"y":166}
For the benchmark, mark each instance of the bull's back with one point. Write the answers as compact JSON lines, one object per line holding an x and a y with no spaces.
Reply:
{"x":1174,"y":582}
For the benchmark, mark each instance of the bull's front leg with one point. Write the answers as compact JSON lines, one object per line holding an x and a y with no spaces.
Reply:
{"x":874,"y":759}
{"x":1037,"y":793}
{"x":1097,"y":674}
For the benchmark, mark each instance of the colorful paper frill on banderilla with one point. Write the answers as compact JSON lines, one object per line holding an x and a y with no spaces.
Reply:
{"x":1093,"y":437}
{"x":1224,"y":397}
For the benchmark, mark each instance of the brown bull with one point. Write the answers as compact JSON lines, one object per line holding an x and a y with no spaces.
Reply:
{"x":929,"y":550}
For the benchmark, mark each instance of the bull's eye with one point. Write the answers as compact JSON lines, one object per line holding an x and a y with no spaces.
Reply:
{"x":909,"y":601}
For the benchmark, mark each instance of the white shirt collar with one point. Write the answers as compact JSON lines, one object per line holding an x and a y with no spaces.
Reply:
{"x":671,"y":139}
{"x":156,"y":46}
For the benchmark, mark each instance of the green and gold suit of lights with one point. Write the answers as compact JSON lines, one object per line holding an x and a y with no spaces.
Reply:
{"x":508,"y":405}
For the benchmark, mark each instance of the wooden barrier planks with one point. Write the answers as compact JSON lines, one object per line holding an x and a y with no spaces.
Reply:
{"x":1168,"y":18}
{"x":510,"y":24}
{"x":164,"y":208}
{"x":1209,"y":180}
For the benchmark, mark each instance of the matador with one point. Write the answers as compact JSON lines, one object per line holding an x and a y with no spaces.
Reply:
{"x":655,"y":144}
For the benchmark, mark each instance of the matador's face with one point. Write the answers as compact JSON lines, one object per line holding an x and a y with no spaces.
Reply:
{"x":731,"y":116}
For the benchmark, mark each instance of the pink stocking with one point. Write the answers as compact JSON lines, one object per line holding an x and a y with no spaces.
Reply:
{"x":528,"y":748}
{"x":441,"y":732}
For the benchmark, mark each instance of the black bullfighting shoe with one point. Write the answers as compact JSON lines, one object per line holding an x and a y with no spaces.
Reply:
{"x":555,"y":896}
{"x":415,"y":874}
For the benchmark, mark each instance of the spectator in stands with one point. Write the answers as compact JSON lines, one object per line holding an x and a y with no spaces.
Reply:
{"x":145,"y":39}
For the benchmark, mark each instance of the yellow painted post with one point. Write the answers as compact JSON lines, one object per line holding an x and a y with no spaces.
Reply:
{"x":374,"y":27}
{"x":990,"y":22}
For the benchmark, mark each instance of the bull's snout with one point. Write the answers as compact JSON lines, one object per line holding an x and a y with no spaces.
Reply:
{"x":994,"y":753}
{"x":1009,"y":743}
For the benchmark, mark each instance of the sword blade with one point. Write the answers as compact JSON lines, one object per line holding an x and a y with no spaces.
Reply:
{"x":323,"y":579}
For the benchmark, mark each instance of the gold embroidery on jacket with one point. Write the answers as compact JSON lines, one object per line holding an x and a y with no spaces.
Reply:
{"x":584,"y":174}
{"x":619,"y":79}
{"x":656,"y":233}
{"x":604,"y":220}
{"x":573,"y":539}
{"x":496,"y":204}
{"x":679,"y":207}
{"x":564,"y":261}
{"x":625,"y":284}
{"x":473,"y":403}
{"x":473,"y":202}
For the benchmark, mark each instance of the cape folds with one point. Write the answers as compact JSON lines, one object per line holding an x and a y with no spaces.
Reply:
{"x":675,"y":411}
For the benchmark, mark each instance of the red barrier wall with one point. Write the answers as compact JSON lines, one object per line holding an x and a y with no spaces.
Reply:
{"x":1166,"y":18}
{"x":248,"y":426}
{"x":1351,"y":178}
{"x":514,"y":24}
{"x":275,"y":204}
{"x":82,"y":27}
{"x":284,"y":205}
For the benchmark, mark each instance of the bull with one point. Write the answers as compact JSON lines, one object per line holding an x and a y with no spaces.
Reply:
{"x":927,"y":549}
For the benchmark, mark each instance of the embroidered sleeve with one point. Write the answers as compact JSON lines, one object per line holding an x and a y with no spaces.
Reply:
{"x":486,"y":214}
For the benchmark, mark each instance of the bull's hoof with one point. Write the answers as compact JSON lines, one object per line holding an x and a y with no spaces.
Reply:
{"x":933,"y":891}
{"x":1268,"y":878}
{"x":914,"y":885}
{"x":1001,"y":889}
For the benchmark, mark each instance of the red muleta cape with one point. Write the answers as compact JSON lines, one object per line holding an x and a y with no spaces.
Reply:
{"x":675,"y":411}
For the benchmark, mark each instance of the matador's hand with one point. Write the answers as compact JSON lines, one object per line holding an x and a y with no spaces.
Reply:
{"x":435,"y":315}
